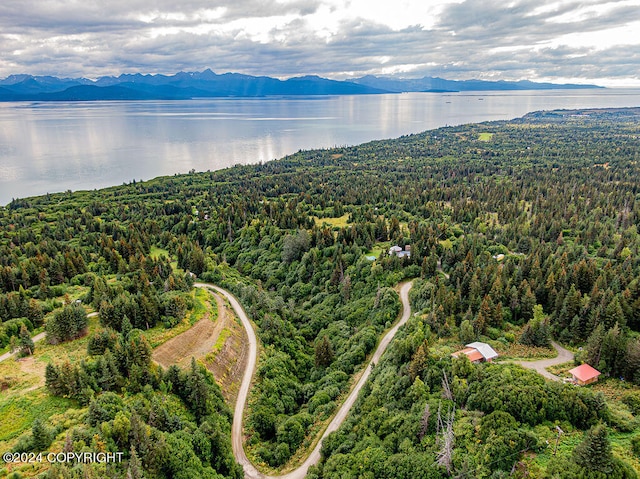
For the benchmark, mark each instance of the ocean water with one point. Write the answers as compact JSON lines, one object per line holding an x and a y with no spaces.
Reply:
{"x":51,"y":147}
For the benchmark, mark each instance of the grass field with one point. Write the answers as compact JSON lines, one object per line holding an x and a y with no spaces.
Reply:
{"x":24,"y":397}
{"x":523,"y":352}
{"x":620,"y":446}
{"x":336,"y":222}
{"x":18,"y":411}
{"x":156,"y":252}
{"x":159,"y":334}
{"x":485,"y":136}
{"x":379,"y":249}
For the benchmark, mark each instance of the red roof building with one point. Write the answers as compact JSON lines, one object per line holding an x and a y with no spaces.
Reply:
{"x":477,"y":352}
{"x":584,"y":374}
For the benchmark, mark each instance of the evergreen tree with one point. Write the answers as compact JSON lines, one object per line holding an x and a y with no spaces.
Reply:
{"x":570,"y":307}
{"x":53,"y":380}
{"x":632,"y":372}
{"x":527,"y":302}
{"x":613,"y":314}
{"x":26,"y":343}
{"x":536,"y":332}
{"x":34,"y":312}
{"x":324,"y":352}
{"x":41,"y":437}
{"x":68,"y":324}
{"x":613,"y":353}
{"x":594,"y":452}
{"x":13,"y":344}
{"x":594,"y":346}
{"x":135,"y":471}
{"x":467,"y":332}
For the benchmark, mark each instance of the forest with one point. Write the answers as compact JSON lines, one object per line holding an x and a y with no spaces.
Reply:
{"x":521,"y":232}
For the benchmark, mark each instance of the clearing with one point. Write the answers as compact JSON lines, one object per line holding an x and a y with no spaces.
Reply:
{"x":194,"y":342}
{"x":334,"y":222}
{"x":220,"y":344}
{"x":228,"y":358}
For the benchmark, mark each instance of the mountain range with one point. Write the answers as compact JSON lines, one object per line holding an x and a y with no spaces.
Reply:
{"x":207,"y":84}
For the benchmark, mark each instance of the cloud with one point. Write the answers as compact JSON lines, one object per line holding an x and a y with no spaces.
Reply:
{"x":452,"y":38}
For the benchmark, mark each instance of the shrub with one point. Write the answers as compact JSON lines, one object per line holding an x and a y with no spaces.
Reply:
{"x":635,"y":445}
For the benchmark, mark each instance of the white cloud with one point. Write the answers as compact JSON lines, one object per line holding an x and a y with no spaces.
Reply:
{"x":601,"y":39}
{"x":586,"y":12}
{"x":535,"y":39}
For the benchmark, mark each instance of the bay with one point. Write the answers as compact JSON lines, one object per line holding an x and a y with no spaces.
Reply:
{"x":51,"y":147}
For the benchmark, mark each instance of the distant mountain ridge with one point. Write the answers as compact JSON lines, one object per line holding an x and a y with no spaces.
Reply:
{"x":207,"y":84}
{"x":395,"y":85}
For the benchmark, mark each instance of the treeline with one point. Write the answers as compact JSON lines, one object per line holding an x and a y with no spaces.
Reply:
{"x":424,"y":416}
{"x":543,"y":217}
{"x":171,"y":423}
{"x":327,"y":307}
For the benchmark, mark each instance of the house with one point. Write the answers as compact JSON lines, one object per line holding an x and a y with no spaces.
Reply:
{"x":477,"y":352}
{"x":584,"y":374}
{"x":399,"y":252}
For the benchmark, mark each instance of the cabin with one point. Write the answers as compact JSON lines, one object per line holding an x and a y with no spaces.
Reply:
{"x":584,"y":374}
{"x":477,"y":352}
{"x":399,"y":252}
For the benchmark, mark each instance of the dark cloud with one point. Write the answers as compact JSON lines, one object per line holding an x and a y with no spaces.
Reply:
{"x":472,"y":39}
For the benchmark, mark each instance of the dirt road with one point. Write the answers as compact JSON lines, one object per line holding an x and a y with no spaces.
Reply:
{"x":236,"y":431}
{"x":540,"y":366}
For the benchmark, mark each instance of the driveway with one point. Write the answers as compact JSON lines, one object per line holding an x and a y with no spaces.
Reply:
{"x":564,"y":356}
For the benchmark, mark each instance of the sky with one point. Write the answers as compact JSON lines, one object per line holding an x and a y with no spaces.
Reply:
{"x":541,"y":40}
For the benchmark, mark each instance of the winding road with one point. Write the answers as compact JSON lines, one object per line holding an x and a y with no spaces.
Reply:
{"x":237,"y":435}
{"x":236,"y":430}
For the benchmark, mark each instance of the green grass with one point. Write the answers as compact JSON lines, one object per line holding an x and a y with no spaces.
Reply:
{"x":566,"y":445}
{"x":68,"y":351}
{"x":485,"y":136}
{"x":379,"y":249}
{"x":17,"y":413}
{"x":336,"y":222}
{"x":156,"y":252}
{"x":202,"y":305}
{"x":224,"y":334}
{"x":621,"y":447}
{"x":562,"y":370}
{"x":26,"y":399}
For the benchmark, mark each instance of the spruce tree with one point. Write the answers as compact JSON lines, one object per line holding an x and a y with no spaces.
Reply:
{"x":53,"y":380}
{"x":324,"y":352}
{"x":594,"y":452}
{"x":134,"y":471}
{"x":26,"y":343}
{"x":41,"y":436}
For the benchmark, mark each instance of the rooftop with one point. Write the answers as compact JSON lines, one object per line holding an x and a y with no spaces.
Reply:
{"x":584,"y":372}
{"x":487,"y":351}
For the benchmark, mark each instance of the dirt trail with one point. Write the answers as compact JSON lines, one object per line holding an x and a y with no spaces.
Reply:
{"x":236,"y":431}
{"x":38,"y":337}
{"x":228,"y":360}
{"x":564,"y":356}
